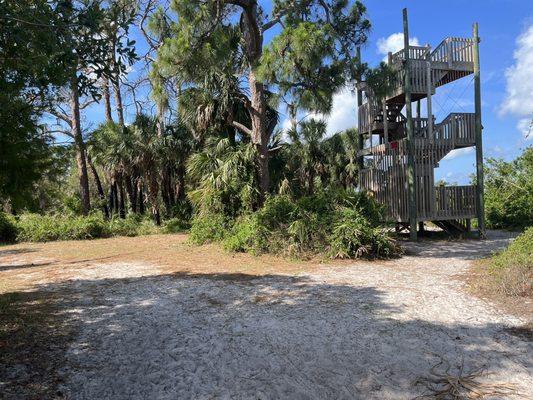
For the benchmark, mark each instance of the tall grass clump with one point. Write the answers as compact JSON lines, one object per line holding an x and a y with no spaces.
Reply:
{"x":132,"y":225}
{"x":512,"y":269}
{"x":46,"y":228}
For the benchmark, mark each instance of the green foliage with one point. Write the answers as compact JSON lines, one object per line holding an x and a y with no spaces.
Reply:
{"x":224,"y":177}
{"x":353,"y":237}
{"x":208,"y":228}
{"x":45,"y":228}
{"x":380,"y":80}
{"x":8,"y":228}
{"x":509,"y":192}
{"x":512,"y":268}
{"x":132,"y":225}
{"x":176,"y":225}
{"x":247,"y":235}
{"x":339,"y":223}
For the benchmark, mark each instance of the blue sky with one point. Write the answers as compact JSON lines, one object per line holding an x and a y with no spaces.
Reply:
{"x":506,"y":30}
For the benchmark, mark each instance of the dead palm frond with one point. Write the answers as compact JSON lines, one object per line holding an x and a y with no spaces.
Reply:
{"x":461,"y":385}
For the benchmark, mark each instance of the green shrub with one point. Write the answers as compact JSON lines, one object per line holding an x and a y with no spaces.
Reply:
{"x":45,"y":228}
{"x":277,"y":212}
{"x":176,"y":225}
{"x":181,"y":211}
{"x":208,"y":228}
{"x":509,"y":192}
{"x":8,"y":228}
{"x":89,"y":227}
{"x":247,"y":236}
{"x":353,"y":236}
{"x":132,"y":225}
{"x":512,"y":269}
{"x":341,"y":223}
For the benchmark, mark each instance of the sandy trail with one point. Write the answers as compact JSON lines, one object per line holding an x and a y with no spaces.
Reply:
{"x":348,"y":331}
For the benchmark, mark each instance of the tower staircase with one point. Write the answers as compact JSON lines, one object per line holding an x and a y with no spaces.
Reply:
{"x":385,"y":164}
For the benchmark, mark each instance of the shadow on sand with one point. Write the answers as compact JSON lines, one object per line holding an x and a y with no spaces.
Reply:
{"x":196,"y":336}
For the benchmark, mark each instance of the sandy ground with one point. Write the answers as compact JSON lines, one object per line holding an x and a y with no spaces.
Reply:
{"x":157,"y":323}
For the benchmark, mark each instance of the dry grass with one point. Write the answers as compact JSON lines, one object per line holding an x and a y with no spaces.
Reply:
{"x":482,"y":284}
{"x":26,"y":264}
{"x":445,"y":385}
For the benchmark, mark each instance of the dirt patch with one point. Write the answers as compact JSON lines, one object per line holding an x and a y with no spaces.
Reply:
{"x":25,"y":265}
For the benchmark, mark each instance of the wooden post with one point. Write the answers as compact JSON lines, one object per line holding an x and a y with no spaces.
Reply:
{"x":385,"y":122}
{"x":418,"y":124}
{"x":480,"y":201}
{"x":429,"y":89}
{"x":411,"y":182}
{"x":360,"y":141}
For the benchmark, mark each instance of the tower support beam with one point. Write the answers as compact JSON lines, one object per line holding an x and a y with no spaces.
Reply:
{"x":480,"y":200}
{"x":360,"y":140}
{"x":411,"y":181}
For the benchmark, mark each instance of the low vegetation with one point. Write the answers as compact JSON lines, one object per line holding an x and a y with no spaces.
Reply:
{"x":509,"y":192}
{"x":511,"y":271}
{"x":341,"y":224}
{"x":30,"y":227}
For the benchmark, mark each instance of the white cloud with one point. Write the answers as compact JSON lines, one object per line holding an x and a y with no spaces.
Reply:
{"x":394,"y":43}
{"x":458,"y":153}
{"x":525,"y":126}
{"x":496,"y":150}
{"x":343,"y":113}
{"x":286,"y":125}
{"x":519,"y":98}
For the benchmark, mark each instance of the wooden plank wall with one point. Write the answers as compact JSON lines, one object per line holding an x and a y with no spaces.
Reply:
{"x":386,"y":180}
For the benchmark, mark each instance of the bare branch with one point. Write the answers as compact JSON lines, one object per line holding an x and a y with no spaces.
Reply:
{"x":241,"y":127}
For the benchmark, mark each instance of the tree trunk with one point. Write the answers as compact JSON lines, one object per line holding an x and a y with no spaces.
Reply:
{"x":111,"y":198}
{"x":253,"y":47}
{"x":131,"y":193}
{"x":118,"y":100}
{"x":107,"y":101}
{"x":292,"y":116}
{"x":167,"y":192}
{"x":140,"y":196}
{"x":115,"y":205}
{"x":152,"y":195}
{"x":260,"y":136}
{"x":122,"y":197}
{"x":80,"y":146}
{"x":115,"y":80}
{"x":180,"y":184}
{"x":99,"y":187}
{"x":311,"y":183}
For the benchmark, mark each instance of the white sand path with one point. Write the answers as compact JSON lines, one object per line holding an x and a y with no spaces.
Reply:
{"x":365,"y":331}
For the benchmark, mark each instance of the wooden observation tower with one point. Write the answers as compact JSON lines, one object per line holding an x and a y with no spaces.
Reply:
{"x":398,"y":161}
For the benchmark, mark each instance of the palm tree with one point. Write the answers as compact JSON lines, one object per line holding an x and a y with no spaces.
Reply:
{"x":147,"y":144}
{"x":224,"y":175}
{"x":308,"y":152}
{"x":112,"y":147}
